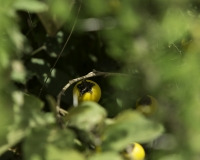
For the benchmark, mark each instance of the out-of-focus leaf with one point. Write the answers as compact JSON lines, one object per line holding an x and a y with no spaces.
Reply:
{"x":51,"y":25}
{"x":119,"y":102}
{"x":100,"y":10}
{"x":53,"y":19}
{"x":174,"y":24}
{"x":13,"y":137}
{"x":6,"y":115}
{"x":62,"y":154}
{"x":104,"y":156}
{"x":18,"y":72}
{"x":4,"y":58}
{"x":53,"y":144}
{"x":52,"y":103}
{"x":14,"y":132}
{"x":30,"y":6}
{"x":57,"y":8}
{"x":164,"y":141}
{"x":29,"y":114}
{"x":173,"y":157}
{"x":32,"y":102}
{"x":86,"y":116}
{"x":130,"y":126}
{"x":88,"y":120}
{"x":33,"y":115}
{"x":129,"y":19}
{"x":16,"y":37}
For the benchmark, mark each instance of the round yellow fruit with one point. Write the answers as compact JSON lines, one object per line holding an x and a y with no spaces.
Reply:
{"x":87,"y":90}
{"x":134,"y":152}
{"x":147,"y":105}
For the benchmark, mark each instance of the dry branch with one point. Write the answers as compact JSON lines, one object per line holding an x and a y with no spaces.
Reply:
{"x":94,"y":73}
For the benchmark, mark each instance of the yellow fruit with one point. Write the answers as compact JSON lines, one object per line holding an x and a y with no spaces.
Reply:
{"x":87,"y":90}
{"x":147,"y":105}
{"x":134,"y":152}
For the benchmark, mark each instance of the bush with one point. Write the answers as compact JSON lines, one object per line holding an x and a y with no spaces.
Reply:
{"x":152,"y":44}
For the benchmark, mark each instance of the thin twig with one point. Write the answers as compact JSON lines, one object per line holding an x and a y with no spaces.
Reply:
{"x":177,"y":50}
{"x":31,"y":23}
{"x":60,"y":51}
{"x":38,"y":50}
{"x":94,"y":73}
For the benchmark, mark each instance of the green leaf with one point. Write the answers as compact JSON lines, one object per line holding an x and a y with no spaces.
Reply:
{"x":30,"y":114}
{"x":173,"y":157}
{"x":174,"y":24}
{"x":101,"y":9}
{"x":87,"y":116}
{"x":33,"y":115}
{"x":58,"y":8}
{"x":7,"y":138}
{"x":130,"y":126}
{"x":32,"y":102}
{"x":18,"y":72}
{"x":106,"y":155}
{"x":13,"y":137}
{"x":88,"y":121}
{"x":62,"y":154}
{"x":51,"y":143}
{"x":30,"y":6}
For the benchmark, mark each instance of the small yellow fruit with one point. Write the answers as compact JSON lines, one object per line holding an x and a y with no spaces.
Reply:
{"x":134,"y":152}
{"x":147,"y":105}
{"x":87,"y":90}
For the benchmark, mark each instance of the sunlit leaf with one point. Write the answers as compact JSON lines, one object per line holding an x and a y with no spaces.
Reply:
{"x":30,"y":6}
{"x":174,"y":24}
{"x":86,"y":116}
{"x":130,"y":126}
{"x":32,"y":102}
{"x":18,"y":72}
{"x":54,"y":143}
{"x":13,"y":137}
{"x":108,"y":155}
{"x":62,"y":154}
{"x":173,"y":157}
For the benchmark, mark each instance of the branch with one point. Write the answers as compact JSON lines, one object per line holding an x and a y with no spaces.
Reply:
{"x":94,"y":73}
